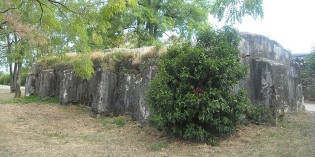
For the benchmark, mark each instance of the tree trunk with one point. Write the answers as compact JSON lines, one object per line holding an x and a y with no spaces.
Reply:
{"x":12,"y":88}
{"x":18,"y":80}
{"x":13,"y":78}
{"x":9,"y":50}
{"x":155,"y":32}
{"x":18,"y":75}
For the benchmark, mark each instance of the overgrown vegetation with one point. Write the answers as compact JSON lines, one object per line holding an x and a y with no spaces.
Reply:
{"x":83,"y":66}
{"x":256,"y":113}
{"x":53,"y":61}
{"x":81,"y":63}
{"x":116,"y":60}
{"x":191,"y":97}
{"x":5,"y":79}
{"x":131,"y":61}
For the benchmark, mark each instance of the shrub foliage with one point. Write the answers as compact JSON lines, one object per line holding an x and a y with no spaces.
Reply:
{"x":192,"y":96}
{"x":5,"y":79}
{"x":83,"y":66}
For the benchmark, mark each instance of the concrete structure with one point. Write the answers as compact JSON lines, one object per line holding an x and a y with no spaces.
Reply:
{"x":273,"y":81}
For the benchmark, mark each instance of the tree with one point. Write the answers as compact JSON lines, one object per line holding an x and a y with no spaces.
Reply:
{"x":148,"y":20}
{"x":35,"y":27}
{"x":232,"y":11}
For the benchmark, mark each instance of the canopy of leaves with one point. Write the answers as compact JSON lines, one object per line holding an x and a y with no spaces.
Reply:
{"x":143,"y":21}
{"x":33,"y":28}
{"x":232,"y":11}
{"x":191,"y":97}
{"x":38,"y":27}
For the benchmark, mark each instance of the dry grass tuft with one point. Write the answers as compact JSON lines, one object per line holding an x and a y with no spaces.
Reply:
{"x":96,"y":55}
{"x":71,"y":54}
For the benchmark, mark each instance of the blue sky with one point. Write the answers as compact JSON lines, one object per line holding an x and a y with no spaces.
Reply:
{"x":289,"y":22}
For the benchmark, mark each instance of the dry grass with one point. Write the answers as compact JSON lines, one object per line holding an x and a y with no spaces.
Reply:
{"x":107,"y":58}
{"x":54,"y":130}
{"x":137,"y":54}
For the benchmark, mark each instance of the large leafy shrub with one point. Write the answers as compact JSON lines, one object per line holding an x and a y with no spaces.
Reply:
{"x":192,"y":96}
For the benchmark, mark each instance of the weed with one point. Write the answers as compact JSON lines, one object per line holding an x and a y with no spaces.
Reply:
{"x":256,"y":113}
{"x":57,"y":134}
{"x":158,"y":146}
{"x":120,"y":122}
{"x":103,"y":121}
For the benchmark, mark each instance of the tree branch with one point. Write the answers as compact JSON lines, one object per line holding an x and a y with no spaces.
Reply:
{"x":44,"y":4}
{"x":41,"y":4}
{"x":42,"y":12}
{"x":3,"y":23}
{"x":56,"y":3}
{"x":6,"y":10}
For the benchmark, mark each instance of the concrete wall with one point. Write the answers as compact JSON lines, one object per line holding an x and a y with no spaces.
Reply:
{"x":273,"y":80}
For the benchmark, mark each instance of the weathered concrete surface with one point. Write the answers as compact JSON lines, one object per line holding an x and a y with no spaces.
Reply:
{"x":273,"y":81}
{"x":274,"y":78}
{"x":106,"y":93}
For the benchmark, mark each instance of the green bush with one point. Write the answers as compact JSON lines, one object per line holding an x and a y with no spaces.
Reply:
{"x":191,"y":97}
{"x":5,"y":79}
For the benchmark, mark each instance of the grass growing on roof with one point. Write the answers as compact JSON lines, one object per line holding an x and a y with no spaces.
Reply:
{"x":115,"y":60}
